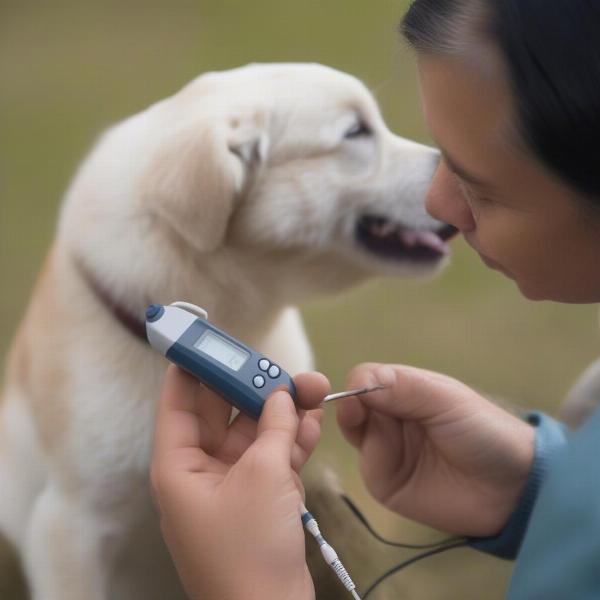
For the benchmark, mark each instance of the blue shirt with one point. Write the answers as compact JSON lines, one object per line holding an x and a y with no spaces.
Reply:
{"x":555,"y":531}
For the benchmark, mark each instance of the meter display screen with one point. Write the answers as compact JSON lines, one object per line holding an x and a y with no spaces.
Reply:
{"x":222,"y":350}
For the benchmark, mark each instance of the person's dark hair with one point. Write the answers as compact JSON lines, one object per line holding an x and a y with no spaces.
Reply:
{"x":552,"y":51}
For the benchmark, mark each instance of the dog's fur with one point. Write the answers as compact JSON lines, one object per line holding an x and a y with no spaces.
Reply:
{"x":240,"y":193}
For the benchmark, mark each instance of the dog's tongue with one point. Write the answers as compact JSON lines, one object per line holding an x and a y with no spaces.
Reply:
{"x":428,"y":239}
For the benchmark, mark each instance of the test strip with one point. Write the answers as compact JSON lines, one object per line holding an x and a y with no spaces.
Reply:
{"x":357,"y":392}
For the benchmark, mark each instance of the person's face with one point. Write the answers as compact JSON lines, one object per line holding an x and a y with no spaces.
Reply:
{"x":521,"y":219}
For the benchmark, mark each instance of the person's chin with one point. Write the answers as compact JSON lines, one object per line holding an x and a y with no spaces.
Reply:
{"x":486,"y":260}
{"x":492,"y":264}
{"x":530,"y":293}
{"x":532,"y":290}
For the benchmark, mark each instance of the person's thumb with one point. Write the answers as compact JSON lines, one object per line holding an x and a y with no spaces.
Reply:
{"x":278,"y":425}
{"x":408,"y":393}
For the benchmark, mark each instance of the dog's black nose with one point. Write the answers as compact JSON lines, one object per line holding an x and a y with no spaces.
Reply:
{"x":447,"y":232}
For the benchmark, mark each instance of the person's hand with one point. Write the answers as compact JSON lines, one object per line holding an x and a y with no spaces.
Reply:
{"x":229,"y":494}
{"x":434,"y":450}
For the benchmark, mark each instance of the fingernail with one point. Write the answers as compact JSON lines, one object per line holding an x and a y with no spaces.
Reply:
{"x":385,"y":375}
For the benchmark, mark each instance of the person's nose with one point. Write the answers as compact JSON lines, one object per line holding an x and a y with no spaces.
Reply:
{"x":446,"y":201}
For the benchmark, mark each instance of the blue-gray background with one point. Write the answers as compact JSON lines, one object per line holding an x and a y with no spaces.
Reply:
{"x":68,"y":69}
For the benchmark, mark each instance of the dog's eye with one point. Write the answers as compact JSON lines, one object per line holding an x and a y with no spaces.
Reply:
{"x":358,"y":130}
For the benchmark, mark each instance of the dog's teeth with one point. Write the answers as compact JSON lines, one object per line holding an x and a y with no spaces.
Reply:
{"x":387,"y":229}
{"x":382,"y":229}
{"x":431,"y":240}
{"x":409,"y":238}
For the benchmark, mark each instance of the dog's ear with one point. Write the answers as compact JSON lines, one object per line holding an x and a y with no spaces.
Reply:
{"x":250,"y":142}
{"x":193,"y":181}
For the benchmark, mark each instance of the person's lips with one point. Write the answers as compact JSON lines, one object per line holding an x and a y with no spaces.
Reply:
{"x":487,"y":261}
{"x":492,"y":264}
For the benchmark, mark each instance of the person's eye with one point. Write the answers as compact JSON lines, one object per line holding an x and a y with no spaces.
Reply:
{"x":471,"y":196}
{"x":358,"y":130}
{"x":478,"y":199}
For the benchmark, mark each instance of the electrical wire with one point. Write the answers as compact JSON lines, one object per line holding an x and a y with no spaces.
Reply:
{"x":361,"y":517}
{"x":410,"y":561}
{"x":331,"y":558}
{"x":432,"y":549}
{"x":329,"y":554}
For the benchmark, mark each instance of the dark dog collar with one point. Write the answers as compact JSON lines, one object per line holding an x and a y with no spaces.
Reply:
{"x":136,"y":326}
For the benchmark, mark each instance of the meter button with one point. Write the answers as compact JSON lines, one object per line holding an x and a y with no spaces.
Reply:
{"x":274,"y":371}
{"x":263,"y":364}
{"x":154,"y":312}
{"x":258,"y":381}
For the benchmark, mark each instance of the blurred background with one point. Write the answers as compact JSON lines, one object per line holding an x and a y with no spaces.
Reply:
{"x":70,"y":68}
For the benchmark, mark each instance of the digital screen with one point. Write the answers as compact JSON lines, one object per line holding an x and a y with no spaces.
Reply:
{"x":222,"y":350}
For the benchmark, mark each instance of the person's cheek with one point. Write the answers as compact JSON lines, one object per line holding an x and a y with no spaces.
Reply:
{"x":498,"y":241}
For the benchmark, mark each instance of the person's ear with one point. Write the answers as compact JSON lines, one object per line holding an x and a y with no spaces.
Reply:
{"x":199,"y":172}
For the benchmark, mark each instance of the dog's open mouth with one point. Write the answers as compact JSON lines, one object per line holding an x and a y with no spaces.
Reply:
{"x":395,"y":241}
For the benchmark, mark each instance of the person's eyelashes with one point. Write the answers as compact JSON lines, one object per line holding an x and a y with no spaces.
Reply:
{"x":473,"y":197}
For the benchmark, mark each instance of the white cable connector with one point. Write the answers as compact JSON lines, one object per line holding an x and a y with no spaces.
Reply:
{"x":329,"y":554}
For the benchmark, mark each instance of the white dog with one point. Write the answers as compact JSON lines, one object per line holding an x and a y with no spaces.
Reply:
{"x":247,"y":192}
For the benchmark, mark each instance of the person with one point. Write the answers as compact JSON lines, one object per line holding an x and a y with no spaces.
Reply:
{"x":511,"y":94}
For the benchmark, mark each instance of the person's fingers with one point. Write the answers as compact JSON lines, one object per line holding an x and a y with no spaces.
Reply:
{"x":178,"y":434}
{"x":390,"y":449}
{"x":240,"y":436}
{"x":177,"y":423}
{"x":317,"y":414}
{"x":243,"y":432}
{"x":311,"y":388}
{"x":190,"y":414}
{"x":408,"y":393}
{"x":299,"y":485}
{"x":352,"y":417}
{"x":351,"y":413}
{"x":309,"y":433}
{"x":278,"y":426}
{"x":214,"y":413}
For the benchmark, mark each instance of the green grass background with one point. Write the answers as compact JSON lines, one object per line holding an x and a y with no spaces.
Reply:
{"x":70,"y":68}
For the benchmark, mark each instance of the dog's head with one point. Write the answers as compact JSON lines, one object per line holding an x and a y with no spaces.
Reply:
{"x":287,"y":163}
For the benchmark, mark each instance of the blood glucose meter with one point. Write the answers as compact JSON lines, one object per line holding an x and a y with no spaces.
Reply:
{"x":182,"y":332}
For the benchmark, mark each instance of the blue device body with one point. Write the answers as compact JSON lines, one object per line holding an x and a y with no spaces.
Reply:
{"x":243,"y":376}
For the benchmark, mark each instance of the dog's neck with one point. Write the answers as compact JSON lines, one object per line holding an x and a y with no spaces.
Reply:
{"x":134,"y":324}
